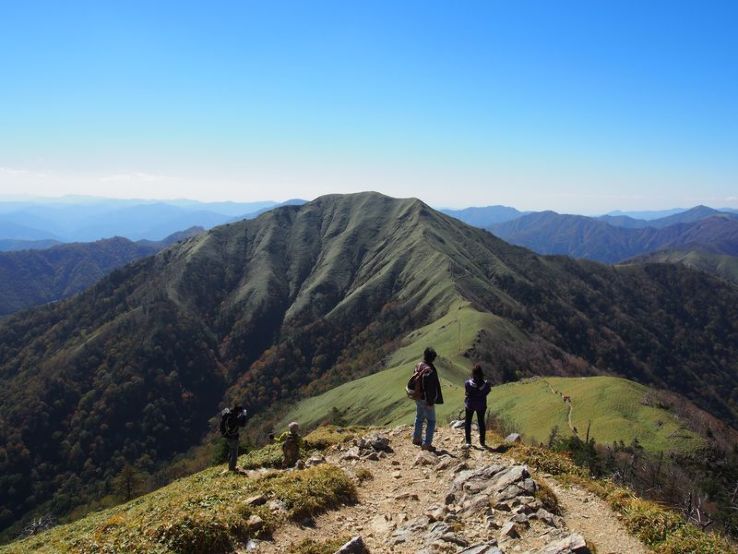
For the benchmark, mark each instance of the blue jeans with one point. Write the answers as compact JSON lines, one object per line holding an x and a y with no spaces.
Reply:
{"x":424,"y":412}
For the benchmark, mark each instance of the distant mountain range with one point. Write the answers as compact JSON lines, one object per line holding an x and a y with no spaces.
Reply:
{"x":613,"y":239}
{"x":32,"y":277}
{"x":692,"y":215}
{"x":13,"y":245}
{"x":303,"y":298}
{"x":486,"y":216}
{"x":95,"y":219}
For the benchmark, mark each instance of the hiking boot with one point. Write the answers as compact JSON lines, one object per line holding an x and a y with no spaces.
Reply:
{"x":467,"y":446}
{"x":429,"y":447}
{"x":417,"y":442}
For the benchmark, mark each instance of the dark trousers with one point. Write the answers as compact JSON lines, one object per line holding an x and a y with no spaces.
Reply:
{"x":232,"y":453}
{"x":480,"y":422}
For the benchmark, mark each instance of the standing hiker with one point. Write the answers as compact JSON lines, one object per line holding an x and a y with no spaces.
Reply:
{"x":475,"y":401}
{"x":231,"y":420}
{"x":427,"y":393}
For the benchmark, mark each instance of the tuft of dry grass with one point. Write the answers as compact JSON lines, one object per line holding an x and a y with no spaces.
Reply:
{"x":548,"y":498}
{"x":310,"y":546}
{"x":363,"y":474}
{"x":326,"y":436}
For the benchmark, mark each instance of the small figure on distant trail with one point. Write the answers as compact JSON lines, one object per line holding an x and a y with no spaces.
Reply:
{"x":475,"y":401}
{"x":425,"y":388}
{"x":231,"y":420}
{"x":291,"y":445}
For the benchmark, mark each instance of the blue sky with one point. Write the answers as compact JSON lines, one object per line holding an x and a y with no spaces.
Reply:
{"x":574,"y":106}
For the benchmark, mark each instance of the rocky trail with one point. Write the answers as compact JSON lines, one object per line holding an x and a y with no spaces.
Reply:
{"x":455,"y":500}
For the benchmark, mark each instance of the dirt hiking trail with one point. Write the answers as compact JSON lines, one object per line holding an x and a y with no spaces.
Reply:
{"x":456,"y":500}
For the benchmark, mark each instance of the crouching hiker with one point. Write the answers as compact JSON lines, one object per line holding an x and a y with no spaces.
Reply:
{"x":291,"y":445}
{"x":231,"y":420}
{"x":426,"y":391}
{"x":475,"y":401}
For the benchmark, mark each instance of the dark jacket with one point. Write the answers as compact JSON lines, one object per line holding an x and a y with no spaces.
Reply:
{"x":230,"y":422}
{"x":476,"y":394}
{"x":432,"y":386}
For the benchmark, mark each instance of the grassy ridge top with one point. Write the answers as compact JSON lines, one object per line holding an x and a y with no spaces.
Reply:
{"x":379,"y":398}
{"x":618,"y":409}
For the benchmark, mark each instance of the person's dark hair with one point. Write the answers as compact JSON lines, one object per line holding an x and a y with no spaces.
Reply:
{"x":477,"y":373}
{"x":429,"y":355}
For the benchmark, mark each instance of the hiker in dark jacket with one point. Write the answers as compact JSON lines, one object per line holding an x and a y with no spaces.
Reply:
{"x":475,"y":401}
{"x":425,"y":406}
{"x":231,"y":420}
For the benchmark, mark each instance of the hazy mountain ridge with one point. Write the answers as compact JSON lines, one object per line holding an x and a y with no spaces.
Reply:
{"x":484,"y":216}
{"x":91,"y":219}
{"x":584,"y":237}
{"x":691,"y":215}
{"x":32,"y":277}
{"x":304,"y":298}
{"x":14,"y":245}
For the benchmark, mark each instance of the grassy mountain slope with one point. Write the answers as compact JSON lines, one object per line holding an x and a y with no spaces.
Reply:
{"x":721,"y":265}
{"x":595,"y":239}
{"x":618,"y":409}
{"x":305,"y":298}
{"x":205,"y":512}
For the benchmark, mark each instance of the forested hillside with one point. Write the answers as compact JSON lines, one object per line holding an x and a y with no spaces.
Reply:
{"x":721,"y":265}
{"x":307,"y":297}
{"x":32,"y":277}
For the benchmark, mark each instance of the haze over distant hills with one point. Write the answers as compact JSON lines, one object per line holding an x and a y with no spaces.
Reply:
{"x":486,"y":216}
{"x":90,"y":219}
{"x":304,"y":298}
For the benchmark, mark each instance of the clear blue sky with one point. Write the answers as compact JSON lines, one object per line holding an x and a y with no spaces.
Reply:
{"x":575,"y":106}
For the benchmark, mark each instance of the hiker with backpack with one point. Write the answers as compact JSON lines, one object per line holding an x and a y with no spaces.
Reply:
{"x":231,"y":420}
{"x":425,"y":388}
{"x":475,"y":401}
